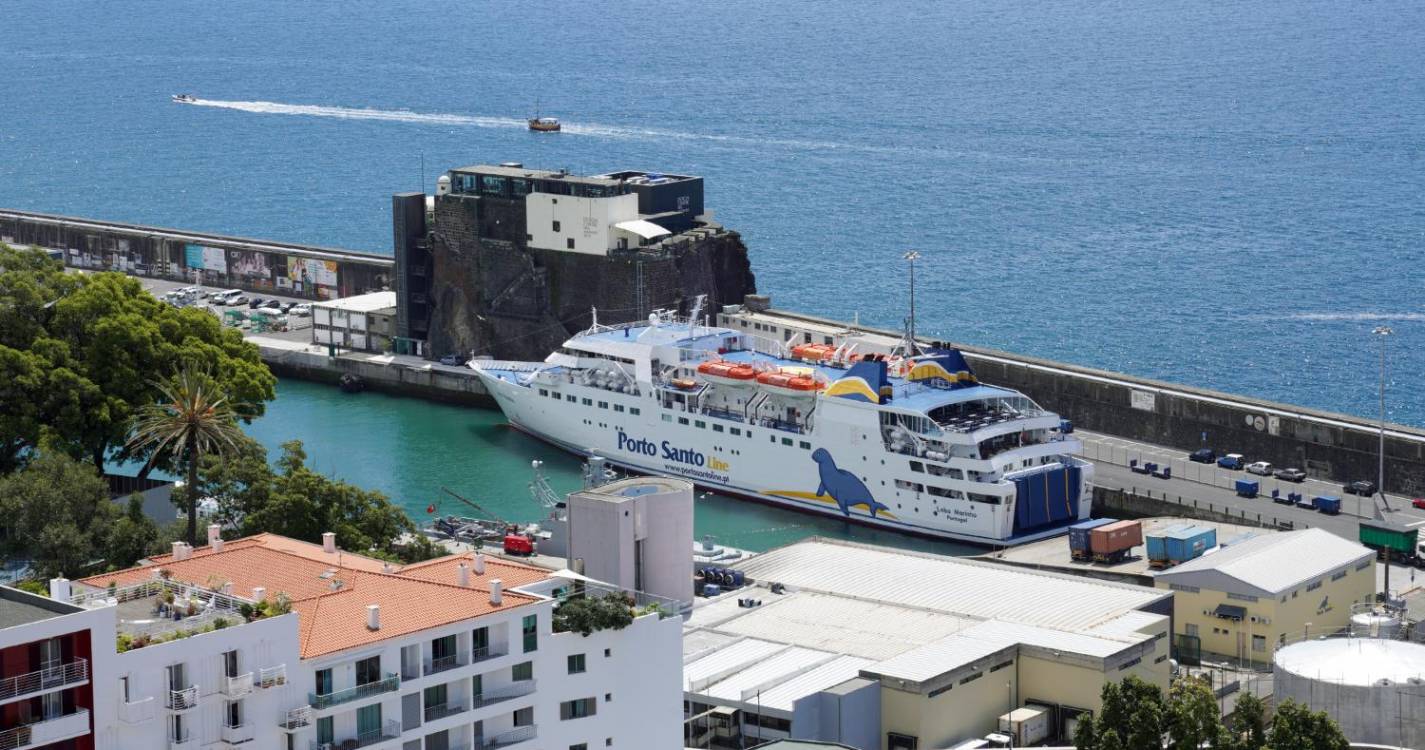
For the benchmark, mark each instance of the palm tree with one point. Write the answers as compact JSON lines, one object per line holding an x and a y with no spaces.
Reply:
{"x":190,"y":419}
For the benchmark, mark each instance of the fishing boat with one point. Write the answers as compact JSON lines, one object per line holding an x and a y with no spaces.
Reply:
{"x":544,"y":124}
{"x":184,"y":98}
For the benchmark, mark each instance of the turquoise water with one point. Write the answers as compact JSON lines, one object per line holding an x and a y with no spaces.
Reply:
{"x":410,"y":449}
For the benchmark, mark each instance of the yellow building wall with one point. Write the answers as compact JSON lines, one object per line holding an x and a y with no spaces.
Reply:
{"x":1082,"y":687}
{"x":1274,"y":617}
{"x":963,"y":712}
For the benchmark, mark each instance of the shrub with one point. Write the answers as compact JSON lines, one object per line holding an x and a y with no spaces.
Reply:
{"x":585,"y":615}
{"x":220,"y":623}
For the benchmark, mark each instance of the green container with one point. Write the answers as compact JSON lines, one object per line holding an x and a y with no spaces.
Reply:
{"x":1382,"y":535}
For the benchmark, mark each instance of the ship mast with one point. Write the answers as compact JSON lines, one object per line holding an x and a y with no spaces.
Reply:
{"x":909,"y":345}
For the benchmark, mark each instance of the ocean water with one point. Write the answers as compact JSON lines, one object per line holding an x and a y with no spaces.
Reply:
{"x":1221,"y":194}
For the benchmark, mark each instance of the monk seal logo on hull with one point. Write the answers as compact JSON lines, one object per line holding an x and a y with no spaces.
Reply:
{"x":844,"y":487}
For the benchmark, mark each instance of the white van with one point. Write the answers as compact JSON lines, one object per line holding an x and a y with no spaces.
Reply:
{"x":226,"y":297}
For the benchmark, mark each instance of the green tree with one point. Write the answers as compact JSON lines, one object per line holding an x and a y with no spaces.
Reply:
{"x":1085,"y":735}
{"x":77,"y":354}
{"x":56,"y":513}
{"x":1297,"y":727}
{"x":1193,"y":717}
{"x":1247,"y":723}
{"x":132,"y":537}
{"x":589,"y":614}
{"x":191,"y":419}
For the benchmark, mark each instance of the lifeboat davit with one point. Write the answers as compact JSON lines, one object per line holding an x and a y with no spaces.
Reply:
{"x":722,"y":372}
{"x":813,"y":352}
{"x":786,"y":383}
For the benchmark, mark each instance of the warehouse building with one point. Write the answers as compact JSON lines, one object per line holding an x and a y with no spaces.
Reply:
{"x":1243,"y":600}
{"x":364,"y":323}
{"x":882,"y":648}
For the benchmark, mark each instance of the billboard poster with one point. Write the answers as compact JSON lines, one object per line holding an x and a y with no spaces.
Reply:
{"x":249,"y":264}
{"x":308,"y":271}
{"x":206,"y":258}
{"x":193,"y":256}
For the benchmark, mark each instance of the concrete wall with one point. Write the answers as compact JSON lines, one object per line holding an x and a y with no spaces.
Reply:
{"x":849,"y":713}
{"x":587,"y":221}
{"x":394,"y":374}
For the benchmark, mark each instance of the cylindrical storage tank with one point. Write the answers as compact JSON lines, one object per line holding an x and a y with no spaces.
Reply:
{"x":1375,"y":625}
{"x":1373,"y":687}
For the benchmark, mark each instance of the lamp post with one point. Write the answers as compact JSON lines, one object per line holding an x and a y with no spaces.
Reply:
{"x":912,"y":256}
{"x":1384,"y":333}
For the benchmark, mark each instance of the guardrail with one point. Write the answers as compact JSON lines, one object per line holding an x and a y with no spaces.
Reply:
{"x":441,"y":664}
{"x":236,"y":687}
{"x":296,"y":718}
{"x":268,"y":677}
{"x":506,"y":692}
{"x":139,"y":711}
{"x":46,"y":731}
{"x":48,"y":678}
{"x":442,"y":710}
{"x":385,"y":685}
{"x":182,"y":700}
{"x":504,"y":739}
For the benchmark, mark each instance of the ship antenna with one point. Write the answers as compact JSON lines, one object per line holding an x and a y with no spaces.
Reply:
{"x":910,"y":345}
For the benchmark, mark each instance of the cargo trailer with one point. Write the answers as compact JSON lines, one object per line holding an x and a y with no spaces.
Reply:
{"x":1328,"y":504}
{"x":1111,"y":543}
{"x":1247,"y":487}
{"x":1079,"y":537}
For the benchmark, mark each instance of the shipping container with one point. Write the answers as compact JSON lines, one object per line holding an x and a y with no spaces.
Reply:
{"x":1328,"y":504}
{"x":1111,"y":543}
{"x":1247,"y":487}
{"x":1157,"y":544}
{"x":1308,"y":503}
{"x":1079,"y":535}
{"x":1027,"y":726}
{"x":1189,"y":543}
{"x":1385,"y":535}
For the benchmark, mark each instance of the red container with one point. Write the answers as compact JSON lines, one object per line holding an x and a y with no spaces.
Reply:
{"x":1115,"y":537}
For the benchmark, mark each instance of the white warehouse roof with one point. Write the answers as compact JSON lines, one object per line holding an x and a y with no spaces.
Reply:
{"x":1271,"y":564}
{"x":361,"y":303}
{"x":949,"y":585}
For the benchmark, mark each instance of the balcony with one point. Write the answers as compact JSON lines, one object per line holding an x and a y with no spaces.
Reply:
{"x":391,"y":731}
{"x":42,"y":680}
{"x":138,"y":712}
{"x":181,"y":740}
{"x":385,"y":685}
{"x":236,"y":687}
{"x":505,"y":739}
{"x":297,"y":718}
{"x":441,"y":664}
{"x":442,"y":710}
{"x":270,"y":677}
{"x":236,"y":734}
{"x":46,"y":731}
{"x":487,"y":652}
{"x":183,"y":700}
{"x":502,"y":693}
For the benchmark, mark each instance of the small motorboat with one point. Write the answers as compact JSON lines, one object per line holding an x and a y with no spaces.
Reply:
{"x":544,"y":124}
{"x":184,"y":98}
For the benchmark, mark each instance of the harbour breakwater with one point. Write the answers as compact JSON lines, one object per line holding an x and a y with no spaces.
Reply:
{"x":1325,"y":444}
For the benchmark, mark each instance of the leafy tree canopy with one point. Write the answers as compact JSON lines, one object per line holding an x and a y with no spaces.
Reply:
{"x":79,"y":354}
{"x":589,"y":614}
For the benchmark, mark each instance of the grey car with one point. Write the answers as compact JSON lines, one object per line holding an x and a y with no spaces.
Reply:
{"x":1291,"y":474}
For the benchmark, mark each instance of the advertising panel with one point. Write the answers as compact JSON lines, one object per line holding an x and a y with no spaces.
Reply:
{"x":206,"y":258}
{"x":250,"y":264}
{"x":308,"y":271}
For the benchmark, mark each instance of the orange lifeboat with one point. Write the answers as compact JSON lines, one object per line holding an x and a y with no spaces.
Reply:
{"x":813,"y":352}
{"x":789,"y":383}
{"x":727,"y":373}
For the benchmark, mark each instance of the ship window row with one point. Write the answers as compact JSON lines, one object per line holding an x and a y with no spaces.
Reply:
{"x":590,"y":402}
{"x":700,"y":424}
{"x":939,"y":471}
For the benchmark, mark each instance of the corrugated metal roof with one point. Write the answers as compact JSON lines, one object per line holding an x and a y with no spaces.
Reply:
{"x":840,"y":624}
{"x":1129,"y":624}
{"x":972,"y":646}
{"x":698,"y":643}
{"x":726,"y":661}
{"x":838,"y":670}
{"x":1274,"y":563}
{"x":937,"y":658}
{"x":950,"y":585}
{"x":766,"y":674}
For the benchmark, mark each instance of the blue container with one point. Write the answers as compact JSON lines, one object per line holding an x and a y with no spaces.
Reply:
{"x":711,"y":589}
{"x":1247,"y":488}
{"x":1328,"y":504}
{"x":1189,"y":543}
{"x":1079,"y":533}
{"x":1157,"y":542}
{"x":1066,"y":427}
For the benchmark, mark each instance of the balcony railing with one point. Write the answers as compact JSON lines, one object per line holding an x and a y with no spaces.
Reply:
{"x":46,"y":731}
{"x":297,"y":718}
{"x":269,"y":677}
{"x":48,"y":678}
{"x":487,"y":652}
{"x":504,"y":692}
{"x":237,"y":687}
{"x":137,"y":712}
{"x":442,"y":710}
{"x":442,"y":663}
{"x":235,"y":734}
{"x":183,"y":700}
{"x":505,"y":739}
{"x":390,"y":731}
{"x":385,"y":685}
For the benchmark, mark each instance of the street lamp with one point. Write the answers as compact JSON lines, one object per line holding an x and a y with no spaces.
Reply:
{"x":912,"y":256}
{"x":1384,"y":333}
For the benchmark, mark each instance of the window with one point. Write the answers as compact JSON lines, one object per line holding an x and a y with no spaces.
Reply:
{"x":588,"y":402}
{"x":569,"y":243}
{"x":571,"y":398}
{"x":667,"y":417}
{"x":576,"y":664}
{"x":804,"y":445}
{"x":1241,"y":597}
{"x":717,"y":427}
{"x":786,"y":441}
{"x":324,"y":682}
{"x":1338,"y":575}
{"x":1131,"y":663}
{"x":480,"y":642}
{"x":902,"y":484}
{"x":531,"y":632}
{"x":1259,"y":643}
{"x":736,"y":430}
{"x":618,"y":407}
{"x":972,"y":677}
{"x":230,"y":663}
{"x":368,"y":723}
{"x":682,"y":420}
{"x":1002,"y":665}
{"x":556,"y":226}
{"x":326,"y":731}
{"x":368,"y":670}
{"x":917,"y":466}
{"x":522,"y":671}
{"x":578,"y":708}
{"x":543,"y":392}
{"x":580,"y":746}
{"x":603,"y":404}
{"x":1314,"y":585}
{"x":634,"y":411}
{"x":897,"y":741}
{"x":700,"y":424}
{"x":1191,"y":630}
{"x":1183,"y":587}
{"x":524,"y":716}
{"x":608,"y":652}
{"x":435,"y":697}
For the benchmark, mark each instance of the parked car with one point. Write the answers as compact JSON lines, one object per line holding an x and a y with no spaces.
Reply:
{"x":1203,"y":456}
{"x":1260,"y":468}
{"x":1291,"y":474}
{"x":287,"y":307}
{"x":1363,"y":487}
{"x":301,"y":310}
{"x":451,"y":359}
{"x":1418,"y":502}
{"x":1232,"y":461}
{"x":238,"y":300}
{"x":272,"y":304}
{"x":255,"y":303}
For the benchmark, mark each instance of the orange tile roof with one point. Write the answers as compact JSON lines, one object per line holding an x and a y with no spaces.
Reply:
{"x":417,"y":597}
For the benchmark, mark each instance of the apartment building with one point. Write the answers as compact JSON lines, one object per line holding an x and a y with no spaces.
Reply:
{"x":269,"y":642}
{"x":48,"y":653}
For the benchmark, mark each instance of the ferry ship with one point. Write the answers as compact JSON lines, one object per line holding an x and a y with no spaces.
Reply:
{"x":909,"y":442}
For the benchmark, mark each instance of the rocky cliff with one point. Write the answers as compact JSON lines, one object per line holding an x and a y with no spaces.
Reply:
{"x":492,"y":295}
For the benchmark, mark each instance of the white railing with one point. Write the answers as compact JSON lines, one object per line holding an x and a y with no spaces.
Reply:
{"x":237,"y":687}
{"x":48,"y":678}
{"x":297,"y":718}
{"x":46,"y":731}
{"x":182,"y":700}
{"x":236,"y":734}
{"x":269,"y":677}
{"x":139,"y":711}
{"x":504,"y":692}
{"x":442,"y":663}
